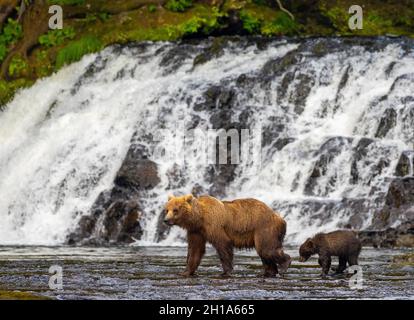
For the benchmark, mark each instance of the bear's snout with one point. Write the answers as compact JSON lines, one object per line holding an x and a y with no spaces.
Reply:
{"x":168,"y":222}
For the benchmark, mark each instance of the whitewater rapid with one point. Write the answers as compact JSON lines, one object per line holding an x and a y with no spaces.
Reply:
{"x":64,"y":139}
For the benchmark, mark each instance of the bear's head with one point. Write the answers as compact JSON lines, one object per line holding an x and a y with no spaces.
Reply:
{"x":179,"y":211}
{"x":307,"y":249}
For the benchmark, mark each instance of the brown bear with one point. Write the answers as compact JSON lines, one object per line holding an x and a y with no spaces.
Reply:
{"x":341,"y":243}
{"x":243,"y":223}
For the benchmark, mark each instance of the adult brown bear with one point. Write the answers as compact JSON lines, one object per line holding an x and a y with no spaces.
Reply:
{"x":243,"y":223}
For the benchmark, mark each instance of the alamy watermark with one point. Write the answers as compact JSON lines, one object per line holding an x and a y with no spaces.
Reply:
{"x":356,"y":281}
{"x":209,"y":147}
{"x":56,"y":278}
{"x":356,"y":21}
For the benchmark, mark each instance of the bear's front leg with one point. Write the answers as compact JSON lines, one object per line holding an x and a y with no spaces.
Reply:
{"x":325,"y":263}
{"x":196,"y":250}
{"x":225,"y":252}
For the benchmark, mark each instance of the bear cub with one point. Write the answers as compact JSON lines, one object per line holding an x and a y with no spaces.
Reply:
{"x":341,"y":243}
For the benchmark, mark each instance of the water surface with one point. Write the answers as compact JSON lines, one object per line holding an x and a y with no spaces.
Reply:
{"x":152,"y":273}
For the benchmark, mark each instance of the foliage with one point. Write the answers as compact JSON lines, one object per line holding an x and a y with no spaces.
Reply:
{"x":12,"y":32}
{"x":18,"y":66}
{"x":75,"y":50}
{"x":8,"y":89}
{"x":66,"y":2}
{"x":281,"y":25}
{"x":178,"y":5}
{"x":260,"y":2}
{"x":152,"y":8}
{"x":250,"y":23}
{"x":57,"y":37}
{"x":202,"y":24}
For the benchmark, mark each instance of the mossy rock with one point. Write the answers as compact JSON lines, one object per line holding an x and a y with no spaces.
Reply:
{"x":21,"y":295}
{"x":404,"y":260}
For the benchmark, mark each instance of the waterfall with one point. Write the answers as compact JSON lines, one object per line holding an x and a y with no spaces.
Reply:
{"x":335,"y":117}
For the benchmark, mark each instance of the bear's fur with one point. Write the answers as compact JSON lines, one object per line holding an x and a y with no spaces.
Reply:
{"x":243,"y":223}
{"x":341,"y":243}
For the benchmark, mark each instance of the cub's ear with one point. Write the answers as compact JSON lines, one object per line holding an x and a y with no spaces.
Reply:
{"x":189,"y":198}
{"x":170,"y":197}
{"x":310,"y":243}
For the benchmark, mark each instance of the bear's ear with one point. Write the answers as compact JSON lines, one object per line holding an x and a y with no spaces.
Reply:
{"x":310,"y":243}
{"x":170,"y":197}
{"x":189,"y":198}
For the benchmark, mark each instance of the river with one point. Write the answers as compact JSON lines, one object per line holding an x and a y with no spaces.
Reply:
{"x":134,"y":272}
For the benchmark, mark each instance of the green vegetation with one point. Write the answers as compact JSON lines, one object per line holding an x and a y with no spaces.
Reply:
{"x":152,"y":8}
{"x":57,"y":37}
{"x":18,"y":67}
{"x":11,"y":33}
{"x":281,"y":25}
{"x":66,"y":2}
{"x":75,"y":50}
{"x":20,"y":295}
{"x":92,"y":25}
{"x":9,"y":88}
{"x":178,"y":5}
{"x":250,"y":23}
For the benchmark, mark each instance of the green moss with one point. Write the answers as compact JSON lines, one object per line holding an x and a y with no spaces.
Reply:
{"x":178,"y":5}
{"x":57,"y":37}
{"x":42,"y":63}
{"x":250,"y":22}
{"x":75,"y":50}
{"x":152,"y":8}
{"x":66,"y":2}
{"x":19,"y":295}
{"x":11,"y":33}
{"x":9,"y":88}
{"x":18,"y":67}
{"x":281,"y":25}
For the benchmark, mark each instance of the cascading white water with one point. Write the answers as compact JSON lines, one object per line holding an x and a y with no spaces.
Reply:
{"x":64,"y":139}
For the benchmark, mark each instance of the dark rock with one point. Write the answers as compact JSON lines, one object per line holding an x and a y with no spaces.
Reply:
{"x":114,"y":215}
{"x":121,"y":222}
{"x":387,"y":122}
{"x":401,"y":236}
{"x":326,"y":153}
{"x":137,"y":173}
{"x":212,"y":52}
{"x":173,"y":59}
{"x":360,"y":152}
{"x":302,"y":89}
{"x":398,"y":210}
{"x":277,"y":66}
{"x":405,"y":164}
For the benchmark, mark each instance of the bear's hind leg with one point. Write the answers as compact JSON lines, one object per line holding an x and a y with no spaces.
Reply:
{"x":270,"y":267}
{"x":342,"y":265}
{"x":353,"y":260}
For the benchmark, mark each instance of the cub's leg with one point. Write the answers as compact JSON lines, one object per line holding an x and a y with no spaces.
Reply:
{"x":196,"y":250}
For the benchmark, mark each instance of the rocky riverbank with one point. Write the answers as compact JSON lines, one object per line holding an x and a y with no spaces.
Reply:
{"x":152,"y":273}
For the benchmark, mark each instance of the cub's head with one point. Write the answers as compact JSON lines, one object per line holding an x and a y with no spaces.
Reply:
{"x":307,"y":249}
{"x":178,"y":210}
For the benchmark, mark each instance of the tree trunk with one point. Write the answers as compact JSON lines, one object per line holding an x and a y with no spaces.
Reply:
{"x":6,"y":9}
{"x":35,"y":23}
